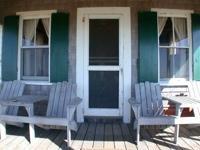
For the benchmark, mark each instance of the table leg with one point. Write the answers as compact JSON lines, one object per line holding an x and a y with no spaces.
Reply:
{"x":31,"y":126}
{"x":177,"y":127}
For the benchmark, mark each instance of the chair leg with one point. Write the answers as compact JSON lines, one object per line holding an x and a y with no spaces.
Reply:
{"x":176,"y":133}
{"x":68,"y":137}
{"x":138,"y":134}
{"x":3,"y":130}
{"x":31,"y":132}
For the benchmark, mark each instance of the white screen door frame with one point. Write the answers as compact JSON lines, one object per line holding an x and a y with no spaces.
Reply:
{"x":83,"y":67}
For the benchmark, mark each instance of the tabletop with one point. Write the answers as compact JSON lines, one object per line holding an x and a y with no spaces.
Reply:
{"x":183,"y":101}
{"x":23,"y":100}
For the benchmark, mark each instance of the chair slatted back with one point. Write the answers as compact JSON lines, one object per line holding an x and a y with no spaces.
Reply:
{"x":61,"y":95}
{"x":194,"y":89}
{"x":194,"y":92}
{"x":149,"y":96}
{"x":11,"y":89}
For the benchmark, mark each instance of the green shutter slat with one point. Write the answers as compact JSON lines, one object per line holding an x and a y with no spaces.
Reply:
{"x":148,"y":47}
{"x":59,"y":47}
{"x":196,"y":45}
{"x":10,"y":48}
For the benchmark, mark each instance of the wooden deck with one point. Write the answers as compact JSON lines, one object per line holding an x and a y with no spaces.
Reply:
{"x":102,"y":136}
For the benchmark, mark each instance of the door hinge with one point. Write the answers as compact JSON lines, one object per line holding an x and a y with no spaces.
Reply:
{"x":83,"y":19}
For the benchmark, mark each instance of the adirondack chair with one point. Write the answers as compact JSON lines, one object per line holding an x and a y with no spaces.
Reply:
{"x":12,"y":89}
{"x":148,"y":107}
{"x":62,"y":104}
{"x":61,"y":109}
{"x":194,"y":92}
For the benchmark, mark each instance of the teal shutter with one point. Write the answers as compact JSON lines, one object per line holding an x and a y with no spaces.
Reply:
{"x":10,"y":48}
{"x":196,"y":45}
{"x":148,"y":47}
{"x":59,"y":47}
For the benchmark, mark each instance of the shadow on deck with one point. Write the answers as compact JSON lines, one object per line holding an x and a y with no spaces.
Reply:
{"x":102,"y":136}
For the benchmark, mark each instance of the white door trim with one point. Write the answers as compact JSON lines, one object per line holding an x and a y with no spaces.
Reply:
{"x":124,"y":13}
{"x":1,"y":40}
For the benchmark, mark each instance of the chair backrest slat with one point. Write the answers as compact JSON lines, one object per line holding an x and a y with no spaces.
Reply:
{"x":11,"y":89}
{"x":61,"y":95}
{"x":148,"y":98}
{"x":149,"y":95}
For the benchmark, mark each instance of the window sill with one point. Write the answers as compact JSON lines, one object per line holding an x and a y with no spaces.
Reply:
{"x":37,"y":82}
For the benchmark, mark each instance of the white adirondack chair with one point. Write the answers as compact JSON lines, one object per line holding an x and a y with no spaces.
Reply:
{"x":194,"y":92}
{"x":62,"y":104}
{"x":61,"y":109}
{"x":148,"y":107}
{"x":12,"y":89}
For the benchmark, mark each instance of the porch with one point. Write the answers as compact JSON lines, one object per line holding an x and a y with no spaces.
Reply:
{"x":112,"y":135}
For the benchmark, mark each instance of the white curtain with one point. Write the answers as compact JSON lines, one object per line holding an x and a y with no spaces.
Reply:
{"x":45,"y":23}
{"x":161,"y":24}
{"x":180,"y":28}
{"x":29,"y":31}
{"x":29,"y":27}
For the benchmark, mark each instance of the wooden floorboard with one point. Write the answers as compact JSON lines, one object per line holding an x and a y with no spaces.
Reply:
{"x":103,"y":136}
{"x":128,"y":138}
{"x":108,"y":137}
{"x":118,"y":138}
{"x":99,"y":137}
{"x":89,"y":137}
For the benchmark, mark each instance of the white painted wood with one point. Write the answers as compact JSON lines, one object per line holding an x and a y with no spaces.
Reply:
{"x":170,"y":12}
{"x":82,"y":27}
{"x":36,"y":14}
{"x":148,"y":98}
{"x":54,"y":117}
{"x":2,"y":130}
{"x":33,"y":15}
{"x":1,"y":33}
{"x":180,"y":14}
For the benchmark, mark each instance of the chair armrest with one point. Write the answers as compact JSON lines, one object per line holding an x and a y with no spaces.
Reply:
{"x":135,"y":106}
{"x":132,"y":101}
{"x":75,"y":102}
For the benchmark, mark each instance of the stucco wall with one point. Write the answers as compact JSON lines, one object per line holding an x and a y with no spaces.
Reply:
{"x":10,"y":7}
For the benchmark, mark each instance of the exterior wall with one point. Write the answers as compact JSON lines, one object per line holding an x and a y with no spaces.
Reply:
{"x":10,"y":7}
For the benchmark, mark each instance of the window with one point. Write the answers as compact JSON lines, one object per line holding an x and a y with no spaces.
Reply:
{"x":35,"y":49}
{"x":174,"y":48}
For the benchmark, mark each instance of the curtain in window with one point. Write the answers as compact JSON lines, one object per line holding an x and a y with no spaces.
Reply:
{"x":29,"y":31}
{"x":180,"y":28}
{"x":45,"y":22}
{"x":161,"y":24}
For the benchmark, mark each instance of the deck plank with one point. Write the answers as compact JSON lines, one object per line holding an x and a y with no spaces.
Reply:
{"x":57,"y":141}
{"x":41,"y":134}
{"x":99,"y":136}
{"x":108,"y":137}
{"x":128,"y":139}
{"x":181,"y":141}
{"x":47,"y":141}
{"x":186,"y":135}
{"x":158,"y":139}
{"x":149,"y":140}
{"x":90,"y":135}
{"x":78,"y":141}
{"x":103,"y":136}
{"x":118,"y":138}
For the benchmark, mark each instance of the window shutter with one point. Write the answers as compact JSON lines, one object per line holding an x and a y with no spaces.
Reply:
{"x":59,"y":47}
{"x":10,"y":48}
{"x":196,"y":45}
{"x":148,"y":47}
